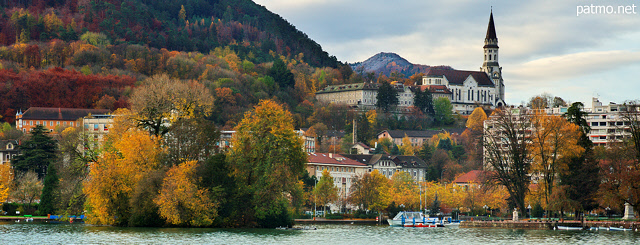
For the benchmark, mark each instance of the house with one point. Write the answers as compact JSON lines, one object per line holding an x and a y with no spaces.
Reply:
{"x":473,"y":177}
{"x":343,"y":170}
{"x":417,"y":138}
{"x":389,"y":165}
{"x":52,"y":118}
{"x":8,"y":150}
{"x":361,"y":148}
{"x":413,"y":165}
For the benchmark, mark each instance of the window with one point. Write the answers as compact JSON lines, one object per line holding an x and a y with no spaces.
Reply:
{"x":71,"y":124}
{"x":65,"y":124}
{"x":603,"y":123}
{"x":495,"y":57}
{"x":594,"y":123}
{"x":31,"y":123}
{"x":58,"y":123}
{"x":51,"y":123}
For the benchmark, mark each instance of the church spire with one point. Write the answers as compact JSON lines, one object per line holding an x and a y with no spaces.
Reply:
{"x":491,"y":40}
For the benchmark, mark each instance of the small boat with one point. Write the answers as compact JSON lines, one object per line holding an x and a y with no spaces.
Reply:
{"x":569,"y":228}
{"x":618,"y":229}
{"x":306,"y":228}
{"x":414,"y":219}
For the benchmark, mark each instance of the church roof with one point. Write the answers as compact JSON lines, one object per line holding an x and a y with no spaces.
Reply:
{"x":349,"y":87}
{"x":457,"y":77}
{"x":491,"y":29}
{"x":436,"y":89}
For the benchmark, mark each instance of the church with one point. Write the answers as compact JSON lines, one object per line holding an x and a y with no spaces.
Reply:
{"x":469,"y":89}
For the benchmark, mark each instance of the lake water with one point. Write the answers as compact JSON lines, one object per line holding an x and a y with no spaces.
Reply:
{"x":325,"y":234}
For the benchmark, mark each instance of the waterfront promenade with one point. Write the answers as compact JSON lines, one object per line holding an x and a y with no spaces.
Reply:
{"x":548,"y":225}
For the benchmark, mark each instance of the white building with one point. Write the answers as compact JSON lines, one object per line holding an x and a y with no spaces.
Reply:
{"x":470,"y":89}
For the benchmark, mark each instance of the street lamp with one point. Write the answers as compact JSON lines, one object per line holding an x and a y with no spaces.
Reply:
{"x":314,"y":199}
{"x":529,"y":208}
{"x":485,"y":209}
{"x":608,"y":212}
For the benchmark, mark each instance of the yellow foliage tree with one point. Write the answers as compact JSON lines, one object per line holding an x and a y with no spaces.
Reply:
{"x":182,"y":202}
{"x":476,"y":119}
{"x":112,"y":179}
{"x":325,"y":191}
{"x":6,"y":179}
{"x":407,"y":148}
{"x":404,"y":190}
{"x":435,"y":139}
{"x":553,"y":139}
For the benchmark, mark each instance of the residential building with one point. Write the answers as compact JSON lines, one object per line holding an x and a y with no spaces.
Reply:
{"x":389,"y":165}
{"x":356,"y":94}
{"x":52,"y":118}
{"x":343,"y":170}
{"x":96,"y":127}
{"x":414,"y":166}
{"x":226,"y":137}
{"x":417,"y":137}
{"x":8,"y":150}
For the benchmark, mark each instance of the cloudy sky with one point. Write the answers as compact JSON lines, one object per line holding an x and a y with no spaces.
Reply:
{"x":545,"y":46}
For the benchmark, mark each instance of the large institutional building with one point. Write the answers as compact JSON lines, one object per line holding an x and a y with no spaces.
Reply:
{"x":465,"y":89}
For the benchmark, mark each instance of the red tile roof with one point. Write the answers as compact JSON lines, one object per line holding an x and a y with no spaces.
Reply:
{"x":474,"y":176}
{"x":336,"y":159}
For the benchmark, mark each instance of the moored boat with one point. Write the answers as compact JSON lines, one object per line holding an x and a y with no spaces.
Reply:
{"x":569,"y":228}
{"x":414,"y":219}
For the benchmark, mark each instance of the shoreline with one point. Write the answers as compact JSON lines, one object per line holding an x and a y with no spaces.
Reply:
{"x":548,"y":225}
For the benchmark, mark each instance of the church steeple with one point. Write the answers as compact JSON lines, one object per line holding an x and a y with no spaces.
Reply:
{"x":491,"y":39}
{"x":490,"y":64}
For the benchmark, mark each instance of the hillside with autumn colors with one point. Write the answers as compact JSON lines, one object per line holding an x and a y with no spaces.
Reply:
{"x":92,"y":54}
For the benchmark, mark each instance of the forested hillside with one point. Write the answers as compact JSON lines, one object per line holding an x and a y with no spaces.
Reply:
{"x":228,"y":46}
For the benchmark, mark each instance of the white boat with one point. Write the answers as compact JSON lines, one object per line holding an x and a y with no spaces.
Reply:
{"x":569,"y":228}
{"x":414,"y":219}
{"x":618,"y":229}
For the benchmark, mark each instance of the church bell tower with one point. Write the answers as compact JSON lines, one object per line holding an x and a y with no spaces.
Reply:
{"x":490,"y":64}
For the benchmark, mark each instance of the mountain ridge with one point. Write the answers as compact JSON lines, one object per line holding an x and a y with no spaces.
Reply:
{"x":388,"y":62}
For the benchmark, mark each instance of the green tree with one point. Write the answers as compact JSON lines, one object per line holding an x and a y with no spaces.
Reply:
{"x":387,"y":97}
{"x":281,"y":74}
{"x":424,"y":101}
{"x":38,"y":152}
{"x":443,"y":111}
{"x":267,"y":159}
{"x":395,"y":150}
{"x":426,"y":152}
{"x":325,"y":191}
{"x":48,"y":197}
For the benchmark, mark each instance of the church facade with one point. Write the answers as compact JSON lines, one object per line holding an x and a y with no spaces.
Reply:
{"x":470,"y":89}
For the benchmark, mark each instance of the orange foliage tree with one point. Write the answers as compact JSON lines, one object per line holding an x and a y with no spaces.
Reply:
{"x":554,"y":139}
{"x":128,"y":156}
{"x":182,"y":202}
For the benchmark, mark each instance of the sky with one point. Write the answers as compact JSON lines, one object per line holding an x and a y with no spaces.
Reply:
{"x":574,"y":49}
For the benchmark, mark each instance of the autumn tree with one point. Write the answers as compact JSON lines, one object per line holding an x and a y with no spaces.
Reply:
{"x":370,"y":191}
{"x":554,"y":140}
{"x":325,"y":191}
{"x":38,"y":152}
{"x":28,"y":189}
{"x":182,"y":202}
{"x":267,"y":159}
{"x":161,"y":98}
{"x":508,"y":153}
{"x":476,"y":119}
{"x":6,"y":181}
{"x":582,"y":176}
{"x":190,"y":139}
{"x":407,"y":147}
{"x":130,"y":154}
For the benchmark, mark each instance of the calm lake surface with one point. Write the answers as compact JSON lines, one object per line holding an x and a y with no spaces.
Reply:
{"x":12,"y":233}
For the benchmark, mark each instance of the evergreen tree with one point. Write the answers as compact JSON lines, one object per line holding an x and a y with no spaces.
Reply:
{"x":387,"y":97}
{"x":395,"y":150}
{"x":443,"y":111}
{"x":38,"y":152}
{"x":424,"y":101}
{"x":48,"y":197}
{"x":281,"y":74}
{"x":426,"y":152}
